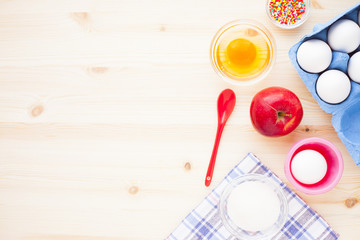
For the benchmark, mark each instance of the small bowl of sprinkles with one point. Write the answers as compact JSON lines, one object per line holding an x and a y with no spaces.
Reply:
{"x":288,"y":14}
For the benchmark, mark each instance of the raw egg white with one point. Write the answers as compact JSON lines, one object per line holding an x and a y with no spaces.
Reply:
{"x":333,"y":86}
{"x":309,"y":166}
{"x":344,"y":36}
{"x":354,"y":67}
{"x":314,"y":56}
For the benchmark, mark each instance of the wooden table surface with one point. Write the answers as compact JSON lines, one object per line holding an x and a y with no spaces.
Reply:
{"x":108,"y":117}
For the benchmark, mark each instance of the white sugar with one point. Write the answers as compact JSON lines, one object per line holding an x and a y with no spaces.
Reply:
{"x":253,"y":206}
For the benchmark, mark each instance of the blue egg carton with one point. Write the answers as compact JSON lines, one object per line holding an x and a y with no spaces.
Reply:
{"x":345,"y":115}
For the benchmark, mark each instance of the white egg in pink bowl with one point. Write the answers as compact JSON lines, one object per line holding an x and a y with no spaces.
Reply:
{"x":314,"y":166}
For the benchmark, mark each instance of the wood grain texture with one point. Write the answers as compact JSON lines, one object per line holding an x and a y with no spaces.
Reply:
{"x":107,"y":117}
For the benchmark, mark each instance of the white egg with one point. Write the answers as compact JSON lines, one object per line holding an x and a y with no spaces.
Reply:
{"x":333,"y":86}
{"x":309,"y":166}
{"x":314,"y":56}
{"x":354,"y":67}
{"x":344,"y":36}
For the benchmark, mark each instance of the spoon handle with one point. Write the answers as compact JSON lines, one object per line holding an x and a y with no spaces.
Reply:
{"x":210,"y":170}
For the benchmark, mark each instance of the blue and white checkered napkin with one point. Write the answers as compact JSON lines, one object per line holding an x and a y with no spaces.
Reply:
{"x":204,"y":221}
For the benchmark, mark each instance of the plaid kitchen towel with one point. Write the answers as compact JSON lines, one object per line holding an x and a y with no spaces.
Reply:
{"x":204,"y":221}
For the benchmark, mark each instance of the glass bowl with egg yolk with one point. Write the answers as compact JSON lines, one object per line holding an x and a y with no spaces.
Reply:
{"x":242,"y":52}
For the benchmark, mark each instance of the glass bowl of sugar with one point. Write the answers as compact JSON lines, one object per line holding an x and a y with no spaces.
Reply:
{"x":253,"y":207}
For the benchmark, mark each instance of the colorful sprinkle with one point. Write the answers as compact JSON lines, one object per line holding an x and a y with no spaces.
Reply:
{"x":287,"y":12}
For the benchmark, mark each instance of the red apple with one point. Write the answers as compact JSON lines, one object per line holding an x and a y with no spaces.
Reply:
{"x":275,"y":111}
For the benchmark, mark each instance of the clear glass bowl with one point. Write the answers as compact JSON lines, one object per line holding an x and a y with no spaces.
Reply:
{"x":248,"y":235}
{"x":290,"y":26}
{"x":231,"y":29}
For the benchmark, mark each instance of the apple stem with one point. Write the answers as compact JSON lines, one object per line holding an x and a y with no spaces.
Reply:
{"x":281,"y":114}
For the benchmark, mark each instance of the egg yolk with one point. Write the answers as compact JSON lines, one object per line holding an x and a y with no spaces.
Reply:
{"x":243,"y":57}
{"x":241,"y":52}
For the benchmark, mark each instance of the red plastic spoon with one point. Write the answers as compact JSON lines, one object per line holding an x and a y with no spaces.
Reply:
{"x":225,"y":106}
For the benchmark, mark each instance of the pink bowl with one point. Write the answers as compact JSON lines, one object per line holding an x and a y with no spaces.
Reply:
{"x":333,"y":159}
